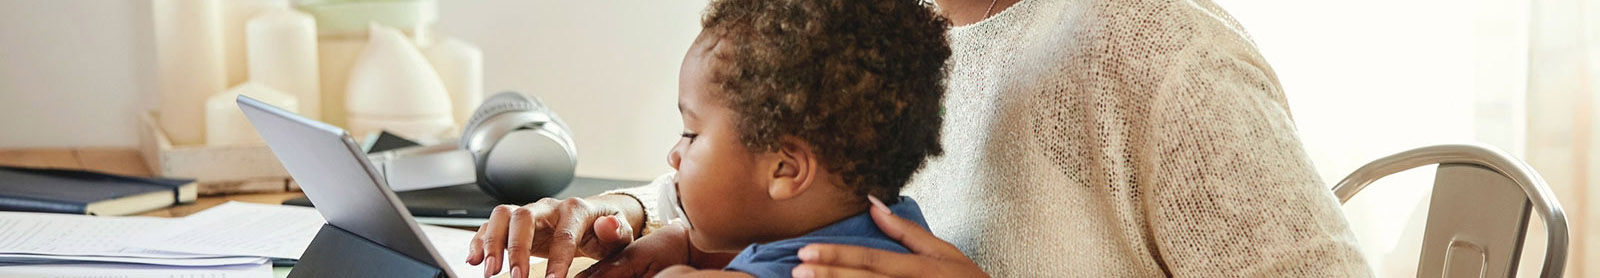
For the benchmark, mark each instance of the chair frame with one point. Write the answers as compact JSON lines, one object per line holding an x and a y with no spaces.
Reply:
{"x":1538,"y":193}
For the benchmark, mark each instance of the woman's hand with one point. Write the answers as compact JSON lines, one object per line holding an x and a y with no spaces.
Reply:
{"x":558,"y":230}
{"x":930,"y":256}
{"x":653,"y":254}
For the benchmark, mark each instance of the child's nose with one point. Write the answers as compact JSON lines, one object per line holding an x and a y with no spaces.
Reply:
{"x":672,"y":156}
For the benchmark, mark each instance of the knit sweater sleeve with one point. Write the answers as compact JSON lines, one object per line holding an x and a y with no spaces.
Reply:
{"x":1230,"y":190}
{"x":658,"y":198}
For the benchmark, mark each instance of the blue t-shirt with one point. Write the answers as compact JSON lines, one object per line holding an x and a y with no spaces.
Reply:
{"x":778,"y":258}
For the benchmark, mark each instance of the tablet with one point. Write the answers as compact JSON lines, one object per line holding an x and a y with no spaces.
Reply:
{"x":336,"y":175}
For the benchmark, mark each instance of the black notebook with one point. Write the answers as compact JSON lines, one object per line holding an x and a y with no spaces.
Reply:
{"x":87,"y":192}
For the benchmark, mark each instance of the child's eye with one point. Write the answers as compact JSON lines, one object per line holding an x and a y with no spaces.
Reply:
{"x":690,"y":136}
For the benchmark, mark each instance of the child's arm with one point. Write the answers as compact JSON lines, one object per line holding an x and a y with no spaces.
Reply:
{"x":682,"y":271}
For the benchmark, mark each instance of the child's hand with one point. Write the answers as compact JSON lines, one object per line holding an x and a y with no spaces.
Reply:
{"x":683,"y":271}
{"x":674,"y":272}
{"x":653,"y":254}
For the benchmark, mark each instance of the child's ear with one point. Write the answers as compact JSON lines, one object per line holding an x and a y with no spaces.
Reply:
{"x":796,"y":171}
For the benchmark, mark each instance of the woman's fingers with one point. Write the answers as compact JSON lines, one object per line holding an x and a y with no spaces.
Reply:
{"x":554,"y":229}
{"x":493,"y":242}
{"x":869,"y":259}
{"x":573,"y":226}
{"x":908,"y":233}
{"x":930,"y":256}
{"x":520,"y":241}
{"x":820,"y":271}
{"x":475,"y":248}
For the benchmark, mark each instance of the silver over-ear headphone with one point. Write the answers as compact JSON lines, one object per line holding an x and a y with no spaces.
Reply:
{"x":523,"y":151}
{"x":513,"y":147}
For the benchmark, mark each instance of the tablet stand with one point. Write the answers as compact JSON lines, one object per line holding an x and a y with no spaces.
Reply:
{"x":335,"y":252}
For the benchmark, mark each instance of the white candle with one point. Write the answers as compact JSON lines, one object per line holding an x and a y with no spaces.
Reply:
{"x":392,"y":87}
{"x":189,"y":65}
{"x":335,"y":58}
{"x":282,"y":54}
{"x":460,"y":66}
{"x":235,"y":14}
{"x":226,"y":124}
{"x":342,"y":34}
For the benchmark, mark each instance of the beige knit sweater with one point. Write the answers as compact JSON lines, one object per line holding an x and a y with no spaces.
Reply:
{"x":1120,"y":138}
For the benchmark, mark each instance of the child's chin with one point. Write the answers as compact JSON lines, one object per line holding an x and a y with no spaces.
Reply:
{"x":705,"y":243}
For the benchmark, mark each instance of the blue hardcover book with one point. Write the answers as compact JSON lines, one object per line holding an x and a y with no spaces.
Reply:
{"x":86,"y":192}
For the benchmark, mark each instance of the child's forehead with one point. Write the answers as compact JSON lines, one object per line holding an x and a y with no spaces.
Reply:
{"x":702,"y":68}
{"x":709,"y":41}
{"x":706,"y":62}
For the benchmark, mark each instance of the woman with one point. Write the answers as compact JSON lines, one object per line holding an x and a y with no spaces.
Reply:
{"x":1083,"y":138}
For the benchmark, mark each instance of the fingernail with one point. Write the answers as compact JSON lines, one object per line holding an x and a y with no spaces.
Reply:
{"x":620,"y":226}
{"x":491,"y":267}
{"x":878,"y":205}
{"x":516,"y":272}
{"x":552,"y":275}
{"x":808,"y":254}
{"x":802,"y":272}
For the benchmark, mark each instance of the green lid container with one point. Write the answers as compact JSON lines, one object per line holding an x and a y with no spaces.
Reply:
{"x":350,"y":17}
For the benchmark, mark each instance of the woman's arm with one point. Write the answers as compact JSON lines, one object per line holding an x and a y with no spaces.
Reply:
{"x":1228,"y":187}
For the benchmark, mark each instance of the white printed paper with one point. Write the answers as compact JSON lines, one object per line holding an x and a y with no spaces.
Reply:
{"x":239,"y":229}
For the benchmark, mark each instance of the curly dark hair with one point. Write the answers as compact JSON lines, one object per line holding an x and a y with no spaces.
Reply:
{"x":860,"y":80}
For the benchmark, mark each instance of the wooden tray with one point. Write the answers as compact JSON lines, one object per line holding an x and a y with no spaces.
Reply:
{"x":249,"y":168}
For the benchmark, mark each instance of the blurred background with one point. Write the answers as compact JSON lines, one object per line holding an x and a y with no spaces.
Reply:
{"x":1365,"y":79}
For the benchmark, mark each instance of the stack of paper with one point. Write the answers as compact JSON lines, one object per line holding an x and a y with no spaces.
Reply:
{"x":234,"y":239}
{"x":231,"y":237}
{"x":134,"y":271}
{"x":238,"y":229}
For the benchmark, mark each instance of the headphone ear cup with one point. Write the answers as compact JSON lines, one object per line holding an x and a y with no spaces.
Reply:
{"x":522,"y":151}
{"x":527,"y":165}
{"x":504,"y":102}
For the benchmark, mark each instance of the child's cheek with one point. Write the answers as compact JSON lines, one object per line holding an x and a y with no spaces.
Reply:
{"x":696,"y":203}
{"x":693,"y":193}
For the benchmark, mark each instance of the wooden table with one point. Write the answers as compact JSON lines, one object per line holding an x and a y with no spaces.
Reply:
{"x":128,"y":162}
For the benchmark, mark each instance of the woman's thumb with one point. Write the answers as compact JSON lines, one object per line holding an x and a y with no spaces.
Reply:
{"x":611,"y":235}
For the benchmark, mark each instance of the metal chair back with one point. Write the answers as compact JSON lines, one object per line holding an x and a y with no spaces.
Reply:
{"x":1482,"y":198}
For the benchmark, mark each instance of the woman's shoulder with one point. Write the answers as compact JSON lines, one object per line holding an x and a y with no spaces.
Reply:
{"x":1119,"y":29}
{"x":1133,"y":42}
{"x":1149,"y":19}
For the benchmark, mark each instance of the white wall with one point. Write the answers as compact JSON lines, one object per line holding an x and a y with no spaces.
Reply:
{"x":1370,"y":78}
{"x":609,"y":68}
{"x":74,"y":73}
